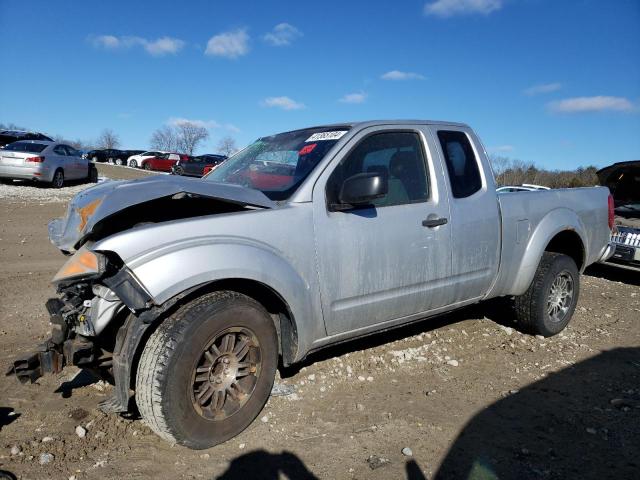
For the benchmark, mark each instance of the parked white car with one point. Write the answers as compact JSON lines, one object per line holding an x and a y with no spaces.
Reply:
{"x":136,"y":160}
{"x":43,"y":161}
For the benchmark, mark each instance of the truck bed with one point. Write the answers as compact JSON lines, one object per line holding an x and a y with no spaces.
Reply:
{"x":531,"y":218}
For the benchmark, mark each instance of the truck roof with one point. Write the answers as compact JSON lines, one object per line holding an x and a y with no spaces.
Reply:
{"x":373,"y":123}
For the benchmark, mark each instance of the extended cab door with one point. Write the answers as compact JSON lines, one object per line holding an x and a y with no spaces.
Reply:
{"x":475,"y":217}
{"x":392,"y":259}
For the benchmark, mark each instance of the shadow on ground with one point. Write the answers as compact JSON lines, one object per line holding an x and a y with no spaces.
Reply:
{"x":81,"y":379}
{"x":615,"y":273}
{"x":262,"y":465}
{"x":7,"y":416}
{"x":582,"y":422}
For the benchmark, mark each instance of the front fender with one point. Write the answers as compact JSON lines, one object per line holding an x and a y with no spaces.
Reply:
{"x":174,"y":268}
{"x":554,"y":222}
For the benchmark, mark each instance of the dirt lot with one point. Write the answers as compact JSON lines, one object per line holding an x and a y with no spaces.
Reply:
{"x":467,"y":394}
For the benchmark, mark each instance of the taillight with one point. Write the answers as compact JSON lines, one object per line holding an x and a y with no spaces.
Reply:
{"x":34,"y":159}
{"x":611,"y":212}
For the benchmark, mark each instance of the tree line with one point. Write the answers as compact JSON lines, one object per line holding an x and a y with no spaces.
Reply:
{"x":510,"y":171}
{"x":183,"y":137}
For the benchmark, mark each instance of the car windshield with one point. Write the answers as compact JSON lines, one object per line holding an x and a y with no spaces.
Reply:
{"x":28,"y":147}
{"x":278,"y":164}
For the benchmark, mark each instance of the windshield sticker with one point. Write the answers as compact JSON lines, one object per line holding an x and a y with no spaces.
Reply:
{"x":307,"y":149}
{"x":326,"y":136}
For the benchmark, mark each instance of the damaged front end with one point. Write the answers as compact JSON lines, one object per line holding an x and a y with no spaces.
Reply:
{"x":83,"y":311}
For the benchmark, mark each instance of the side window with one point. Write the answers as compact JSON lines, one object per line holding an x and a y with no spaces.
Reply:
{"x":461,"y":161}
{"x":72,"y":152}
{"x":60,"y":150}
{"x":398,"y":156}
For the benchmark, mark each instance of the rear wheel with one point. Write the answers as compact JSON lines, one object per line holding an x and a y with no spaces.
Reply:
{"x":58,"y":179}
{"x":118,"y":161}
{"x":133,"y":163}
{"x":178,"y":171}
{"x":207,"y":371}
{"x":93,"y":174}
{"x":95,"y":160}
{"x":548,"y":304}
{"x":147,"y":166}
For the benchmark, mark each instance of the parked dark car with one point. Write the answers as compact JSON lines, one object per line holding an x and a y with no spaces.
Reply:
{"x":163,"y":162}
{"x":623,"y":180}
{"x":195,"y":166}
{"x":110,"y":155}
{"x":10,"y":136}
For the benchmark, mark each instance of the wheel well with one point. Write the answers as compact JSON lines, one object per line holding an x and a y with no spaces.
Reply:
{"x":568,"y":242}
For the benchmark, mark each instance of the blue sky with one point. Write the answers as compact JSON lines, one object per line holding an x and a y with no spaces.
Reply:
{"x":556,"y":82}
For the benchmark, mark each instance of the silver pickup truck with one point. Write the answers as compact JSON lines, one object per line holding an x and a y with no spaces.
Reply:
{"x":188,"y":293}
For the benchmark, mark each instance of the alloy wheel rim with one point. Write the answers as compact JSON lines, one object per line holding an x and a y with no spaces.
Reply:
{"x":58,"y":179}
{"x":560,"y":296}
{"x":226,"y":373}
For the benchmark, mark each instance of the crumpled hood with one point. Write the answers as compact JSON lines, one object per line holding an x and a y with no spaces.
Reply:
{"x":94,"y":204}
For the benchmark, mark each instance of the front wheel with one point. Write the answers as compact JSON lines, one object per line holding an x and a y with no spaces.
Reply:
{"x":207,"y":371}
{"x":118,"y":161}
{"x":147,"y":166}
{"x":133,"y":164}
{"x":548,"y":304}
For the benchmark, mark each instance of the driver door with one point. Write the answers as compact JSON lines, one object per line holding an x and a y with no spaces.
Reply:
{"x":382,"y":263}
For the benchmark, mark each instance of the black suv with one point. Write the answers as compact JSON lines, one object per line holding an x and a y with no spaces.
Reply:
{"x":10,"y":136}
{"x":194,"y":166}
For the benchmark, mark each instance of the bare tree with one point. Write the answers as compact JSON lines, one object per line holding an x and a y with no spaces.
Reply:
{"x":108,"y":139}
{"x":189,"y":136}
{"x":165,"y":139}
{"x":227,"y":146}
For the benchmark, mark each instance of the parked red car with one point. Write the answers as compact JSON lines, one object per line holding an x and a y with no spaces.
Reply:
{"x":163,"y":162}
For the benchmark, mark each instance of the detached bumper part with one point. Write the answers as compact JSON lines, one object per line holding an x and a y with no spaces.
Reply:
{"x":56,"y":352}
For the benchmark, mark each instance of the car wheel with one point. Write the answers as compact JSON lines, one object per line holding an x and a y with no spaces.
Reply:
{"x":95,"y":160}
{"x":93,"y":174}
{"x":118,"y":161}
{"x":110,"y":161}
{"x":178,"y":171}
{"x":58,"y":179}
{"x":548,"y":304}
{"x":133,"y":163}
{"x":207,"y":371}
{"x":147,"y":166}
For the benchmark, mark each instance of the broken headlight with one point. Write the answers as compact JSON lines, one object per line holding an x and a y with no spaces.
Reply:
{"x":83,"y":264}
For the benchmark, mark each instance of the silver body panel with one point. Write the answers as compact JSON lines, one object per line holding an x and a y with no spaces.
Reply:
{"x":345,"y":274}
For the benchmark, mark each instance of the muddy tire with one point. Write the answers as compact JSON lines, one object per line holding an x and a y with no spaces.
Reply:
{"x":207,"y":371}
{"x":548,"y":304}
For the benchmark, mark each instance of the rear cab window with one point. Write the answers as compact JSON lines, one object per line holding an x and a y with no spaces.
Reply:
{"x":461,"y":161}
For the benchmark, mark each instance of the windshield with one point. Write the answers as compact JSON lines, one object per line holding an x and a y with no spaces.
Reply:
{"x":28,"y":147}
{"x":278,"y":164}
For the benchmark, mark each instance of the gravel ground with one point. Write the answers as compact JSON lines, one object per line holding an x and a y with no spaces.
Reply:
{"x":22,"y":191}
{"x":462,"y":396}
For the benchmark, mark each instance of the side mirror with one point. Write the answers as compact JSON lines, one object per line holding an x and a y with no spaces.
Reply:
{"x":361,"y":189}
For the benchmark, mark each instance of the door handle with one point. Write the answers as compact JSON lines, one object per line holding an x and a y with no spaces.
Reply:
{"x":434,"y":222}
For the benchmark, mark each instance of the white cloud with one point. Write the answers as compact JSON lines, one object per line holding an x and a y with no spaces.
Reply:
{"x":232,"y":44}
{"x":163,"y":46}
{"x":502,"y":149}
{"x":285,"y":103}
{"x":591,"y":104}
{"x":157,"y":48}
{"x":543,"y":88}
{"x":449,"y":8}
{"x":208,"y":124}
{"x":358,"y":97}
{"x":282,"y":35}
{"x":398,"y":75}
